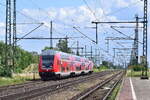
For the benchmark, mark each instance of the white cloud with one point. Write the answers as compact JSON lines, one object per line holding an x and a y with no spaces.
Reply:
{"x":76,"y":16}
{"x":2,"y":24}
{"x":52,"y":13}
{"x":121,"y":3}
{"x":80,"y":15}
{"x":2,"y":31}
{"x":2,"y":28}
{"x":63,"y":13}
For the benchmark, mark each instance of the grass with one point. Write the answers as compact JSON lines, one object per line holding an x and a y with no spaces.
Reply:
{"x":27,"y":74}
{"x":131,"y":73}
{"x":11,"y":81}
{"x":99,"y":69}
{"x":115,"y":92}
{"x":31,"y":68}
{"x":17,"y":79}
{"x":96,"y":70}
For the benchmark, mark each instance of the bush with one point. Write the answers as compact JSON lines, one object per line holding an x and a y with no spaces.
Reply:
{"x":103,"y":67}
{"x":22,"y":60}
{"x":137,"y":68}
{"x":6,"y":72}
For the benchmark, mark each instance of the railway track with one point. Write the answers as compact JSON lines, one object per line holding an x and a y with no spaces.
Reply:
{"x":24,"y":87}
{"x":102,"y":90}
{"x":6,"y":90}
{"x":2,"y":88}
{"x":51,"y":86}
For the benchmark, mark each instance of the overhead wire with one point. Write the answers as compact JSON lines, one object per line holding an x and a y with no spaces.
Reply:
{"x":90,"y":9}
{"x":47,"y":13}
{"x":29,"y":17}
{"x":96,"y":19}
{"x":93,"y":14}
{"x":68,"y":25}
{"x":118,"y":11}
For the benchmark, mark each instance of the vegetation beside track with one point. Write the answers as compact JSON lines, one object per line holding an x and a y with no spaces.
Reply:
{"x":22,"y":60}
{"x":17,"y":79}
{"x":11,"y":81}
{"x":106,"y":66}
{"x":29,"y":73}
{"x":99,"y":69}
{"x":136,"y":70}
{"x":132,"y":73}
{"x":115,"y":92}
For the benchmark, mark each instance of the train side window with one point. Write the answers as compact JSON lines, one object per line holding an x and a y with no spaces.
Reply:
{"x":87,"y":67}
{"x":68,"y":68}
{"x":65,"y":57}
{"x":78,"y":68}
{"x":83,"y":64}
{"x":78,"y":59}
{"x":71,"y":64}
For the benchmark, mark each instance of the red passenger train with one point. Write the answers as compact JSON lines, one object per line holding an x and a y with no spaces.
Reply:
{"x":58,"y":64}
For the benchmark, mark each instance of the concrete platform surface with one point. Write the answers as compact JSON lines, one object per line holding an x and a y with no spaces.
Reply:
{"x":125,"y":93}
{"x":141,"y":88}
{"x":134,"y":89}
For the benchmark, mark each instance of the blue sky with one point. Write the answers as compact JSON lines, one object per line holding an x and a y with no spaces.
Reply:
{"x":66,"y":14}
{"x":51,"y":3}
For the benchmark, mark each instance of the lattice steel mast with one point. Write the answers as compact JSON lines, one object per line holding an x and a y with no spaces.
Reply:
{"x":8,"y":49}
{"x":134,"y":52}
{"x":145,"y":41}
{"x":14,"y":32}
{"x":136,"y":39}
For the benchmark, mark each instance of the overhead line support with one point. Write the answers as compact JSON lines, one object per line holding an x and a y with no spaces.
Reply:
{"x":51,"y":34}
{"x":145,"y":41}
{"x":121,"y":22}
{"x":8,"y":38}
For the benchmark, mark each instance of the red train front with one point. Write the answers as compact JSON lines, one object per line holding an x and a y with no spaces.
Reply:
{"x":58,"y":64}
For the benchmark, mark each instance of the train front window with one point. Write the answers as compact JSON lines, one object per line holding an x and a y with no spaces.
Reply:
{"x":47,"y":61}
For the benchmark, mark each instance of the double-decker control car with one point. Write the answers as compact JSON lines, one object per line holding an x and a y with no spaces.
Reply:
{"x":56,"y":64}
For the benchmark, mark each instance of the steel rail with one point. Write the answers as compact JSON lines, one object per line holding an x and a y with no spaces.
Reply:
{"x":59,"y":86}
{"x":113,"y":87}
{"x":91,"y":90}
{"x":40,"y":91}
{"x":15,"y":86}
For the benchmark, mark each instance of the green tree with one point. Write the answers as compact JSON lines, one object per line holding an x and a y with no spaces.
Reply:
{"x":105,"y":63}
{"x":62,"y":45}
{"x":22,"y":60}
{"x":48,"y":48}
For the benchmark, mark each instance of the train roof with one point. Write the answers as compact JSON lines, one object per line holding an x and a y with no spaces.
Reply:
{"x":53,"y":52}
{"x":49,"y":52}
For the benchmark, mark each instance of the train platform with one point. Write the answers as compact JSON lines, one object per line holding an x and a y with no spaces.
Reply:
{"x":134,"y":89}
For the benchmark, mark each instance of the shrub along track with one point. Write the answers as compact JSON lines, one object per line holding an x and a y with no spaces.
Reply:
{"x":34,"y":90}
{"x":102,"y":90}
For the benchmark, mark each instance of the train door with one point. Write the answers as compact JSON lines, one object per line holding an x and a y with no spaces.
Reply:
{"x":63,"y":69}
{"x":83,"y":66}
